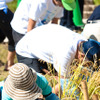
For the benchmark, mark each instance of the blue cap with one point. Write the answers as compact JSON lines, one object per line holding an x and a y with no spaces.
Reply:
{"x":91,"y":47}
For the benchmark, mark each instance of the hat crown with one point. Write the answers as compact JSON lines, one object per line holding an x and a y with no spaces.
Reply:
{"x":21,"y":76}
{"x":21,"y":83}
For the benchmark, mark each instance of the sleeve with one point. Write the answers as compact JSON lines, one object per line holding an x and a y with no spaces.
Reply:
{"x":60,"y":13}
{"x":37,"y":9}
{"x":3,"y":94}
{"x":43,"y":84}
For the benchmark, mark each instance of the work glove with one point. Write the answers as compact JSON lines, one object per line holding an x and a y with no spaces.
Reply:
{"x":52,"y":96}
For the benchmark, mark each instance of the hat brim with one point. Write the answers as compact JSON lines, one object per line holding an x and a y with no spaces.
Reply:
{"x":69,"y":6}
{"x":18,"y":94}
{"x":90,"y":48}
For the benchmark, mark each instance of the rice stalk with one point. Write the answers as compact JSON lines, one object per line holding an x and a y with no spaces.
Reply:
{"x":80,"y":71}
{"x":59,"y":77}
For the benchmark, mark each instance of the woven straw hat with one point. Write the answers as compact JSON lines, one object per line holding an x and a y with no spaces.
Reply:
{"x":21,"y":83}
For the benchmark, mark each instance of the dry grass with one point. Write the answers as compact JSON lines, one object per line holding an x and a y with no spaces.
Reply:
{"x":3,"y":57}
{"x":3,"y":74}
{"x":79,"y":72}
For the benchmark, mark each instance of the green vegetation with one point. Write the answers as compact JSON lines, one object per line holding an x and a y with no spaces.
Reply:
{"x":12,"y":5}
{"x":96,"y":2}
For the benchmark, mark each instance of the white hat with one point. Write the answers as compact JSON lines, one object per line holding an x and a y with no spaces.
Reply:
{"x":21,"y":83}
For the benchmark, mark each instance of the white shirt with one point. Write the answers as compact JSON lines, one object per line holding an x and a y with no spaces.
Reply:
{"x":51,"y":43}
{"x":3,"y":3}
{"x":42,"y":11}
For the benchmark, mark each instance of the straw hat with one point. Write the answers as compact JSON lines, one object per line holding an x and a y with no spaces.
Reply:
{"x":21,"y":83}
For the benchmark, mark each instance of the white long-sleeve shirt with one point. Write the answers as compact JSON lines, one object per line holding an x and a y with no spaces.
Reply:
{"x":3,"y":3}
{"x":51,"y":43}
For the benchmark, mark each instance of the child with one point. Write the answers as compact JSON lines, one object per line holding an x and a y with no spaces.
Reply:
{"x":24,"y":83}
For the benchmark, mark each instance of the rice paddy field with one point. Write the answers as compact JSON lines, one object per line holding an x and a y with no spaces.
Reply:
{"x":84,"y":82}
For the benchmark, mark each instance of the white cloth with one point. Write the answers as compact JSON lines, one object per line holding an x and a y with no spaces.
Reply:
{"x":92,"y":30}
{"x":3,"y":4}
{"x":51,"y":43}
{"x":42,"y":11}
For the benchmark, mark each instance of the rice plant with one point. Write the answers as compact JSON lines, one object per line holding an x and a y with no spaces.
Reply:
{"x":79,"y":71}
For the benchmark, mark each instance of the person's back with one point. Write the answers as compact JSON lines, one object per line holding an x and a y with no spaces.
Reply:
{"x":51,"y":43}
{"x":49,"y":36}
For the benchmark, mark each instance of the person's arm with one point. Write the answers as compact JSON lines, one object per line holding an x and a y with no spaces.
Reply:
{"x":43,"y":84}
{"x":55,"y":21}
{"x":31,"y":24}
{"x":46,"y":88}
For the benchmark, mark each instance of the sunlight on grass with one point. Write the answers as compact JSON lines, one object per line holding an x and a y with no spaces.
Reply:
{"x":3,"y":59}
{"x":3,"y":74}
{"x":12,"y":5}
{"x":3,"y":52}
